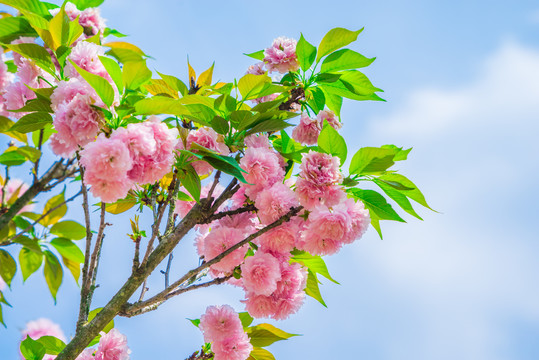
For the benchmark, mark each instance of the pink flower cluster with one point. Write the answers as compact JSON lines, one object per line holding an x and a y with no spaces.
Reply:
{"x":141,"y":153}
{"x":76,"y":121}
{"x":112,"y":346}
{"x":208,"y":138}
{"x":222,"y":327}
{"x":281,"y":55}
{"x":42,"y":327}
{"x":308,"y":129}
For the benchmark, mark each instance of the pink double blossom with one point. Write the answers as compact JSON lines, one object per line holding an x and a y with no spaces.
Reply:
{"x":274,"y":202}
{"x":260,"y":273}
{"x":220,"y":239}
{"x":281,"y":55}
{"x":263,"y":169}
{"x":112,"y":346}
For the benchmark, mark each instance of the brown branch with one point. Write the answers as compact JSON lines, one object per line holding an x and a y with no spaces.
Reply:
{"x":84,"y":307}
{"x":296,"y":95}
{"x":158,"y":299}
{"x":247,"y":208}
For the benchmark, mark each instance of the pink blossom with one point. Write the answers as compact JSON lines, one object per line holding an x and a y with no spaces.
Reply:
{"x":260,"y":306}
{"x":106,"y":158}
{"x":307,"y":130}
{"x":274,"y":202}
{"x":112,"y":346}
{"x":28,"y":72}
{"x":293,"y":279}
{"x":77,"y":123}
{"x":259,"y":140}
{"x":219,"y":323}
{"x":260,"y":274}
{"x":263,"y":169}
{"x":320,"y":169}
{"x":42,"y":327}
{"x":232,"y":348}
{"x":67,"y":90}
{"x":92,"y":22}
{"x":281,"y":56}
{"x":86,"y":56}
{"x":318,"y":244}
{"x":256,"y":69}
{"x":330,"y":117}
{"x":360,"y":220}
{"x":219,"y":240}
{"x":150,"y":167}
{"x":282,"y":239}
{"x":16,"y":96}
{"x":238,"y":199}
{"x":108,"y":190}
{"x":87,"y":354}
{"x":245,"y":221}
{"x":5,"y":76}
{"x":289,"y":305}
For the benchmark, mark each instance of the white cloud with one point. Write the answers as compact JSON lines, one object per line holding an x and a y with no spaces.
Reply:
{"x":472,"y":269}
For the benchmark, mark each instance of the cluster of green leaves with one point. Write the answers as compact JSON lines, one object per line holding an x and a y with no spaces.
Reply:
{"x":261,"y":336}
{"x":42,"y":244}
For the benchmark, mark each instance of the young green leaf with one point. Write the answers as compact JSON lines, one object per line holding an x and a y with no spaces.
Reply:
{"x":331,"y":142}
{"x":345,"y":59}
{"x":114,"y":71}
{"x":376,"y":204}
{"x":30,"y":262}
{"x":414,"y":194}
{"x":100,"y":85}
{"x":68,"y":249}
{"x":135,"y":74}
{"x":312,"y":288}
{"x":53,"y":345}
{"x":191,"y":181}
{"x":8,"y":267}
{"x":32,"y":122}
{"x":336,"y":39}
{"x":266,"y":334}
{"x":32,"y":349}
{"x":53,"y":273}
{"x":58,"y":213}
{"x":258,"y":55}
{"x":371,"y":160}
{"x":69,"y":229}
{"x":306,"y":53}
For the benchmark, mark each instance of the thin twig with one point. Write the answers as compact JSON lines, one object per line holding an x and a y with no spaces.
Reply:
{"x":167,"y":271}
{"x":36,"y":165}
{"x":215,"y":182}
{"x":97,"y":246}
{"x":247,"y":208}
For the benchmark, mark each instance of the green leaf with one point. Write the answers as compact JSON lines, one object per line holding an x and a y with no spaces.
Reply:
{"x":120,"y":206}
{"x":13,"y":27}
{"x":260,"y":354}
{"x":195,"y":322}
{"x":73,"y":266}
{"x":401,"y":153}
{"x":5,"y":126}
{"x":53,"y":345}
{"x":29,"y":153}
{"x":32,"y":122}
{"x":220,"y":125}
{"x":336,"y":39}
{"x":69,"y":229}
{"x":114,"y":71}
{"x":268,"y":126}
{"x":135,"y":74}
{"x":331,"y":142}
{"x":191,"y":181}
{"x":68,"y":249}
{"x":30,"y":244}
{"x":314,"y":263}
{"x":30,"y":262}
{"x":113,"y":32}
{"x":84,"y":4}
{"x":53,"y":273}
{"x":160,"y":105}
{"x":227,"y":165}
{"x":245,"y":319}
{"x":345,"y":59}
{"x":35,"y":105}
{"x":333,"y":102}
{"x":249,"y":85}
{"x":266,"y":334}
{"x":175,"y":83}
{"x":34,"y":6}
{"x":55,"y":215}
{"x":316,"y":98}
{"x":258,"y":55}
{"x":371,"y":160}
{"x":59,"y":28}
{"x":12,"y":158}
{"x":8,"y":267}
{"x":34,"y":52}
{"x":32,"y":349}
{"x":376,"y":204}
{"x":100,"y":85}
{"x":312,"y":288}
{"x":358,"y":83}
{"x":398,"y":197}
{"x":414,"y":194}
{"x":306,"y":53}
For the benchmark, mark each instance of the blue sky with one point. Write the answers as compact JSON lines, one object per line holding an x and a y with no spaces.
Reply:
{"x":462,"y":83}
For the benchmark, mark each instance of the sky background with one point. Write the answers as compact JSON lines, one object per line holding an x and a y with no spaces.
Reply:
{"x":462,"y":83}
